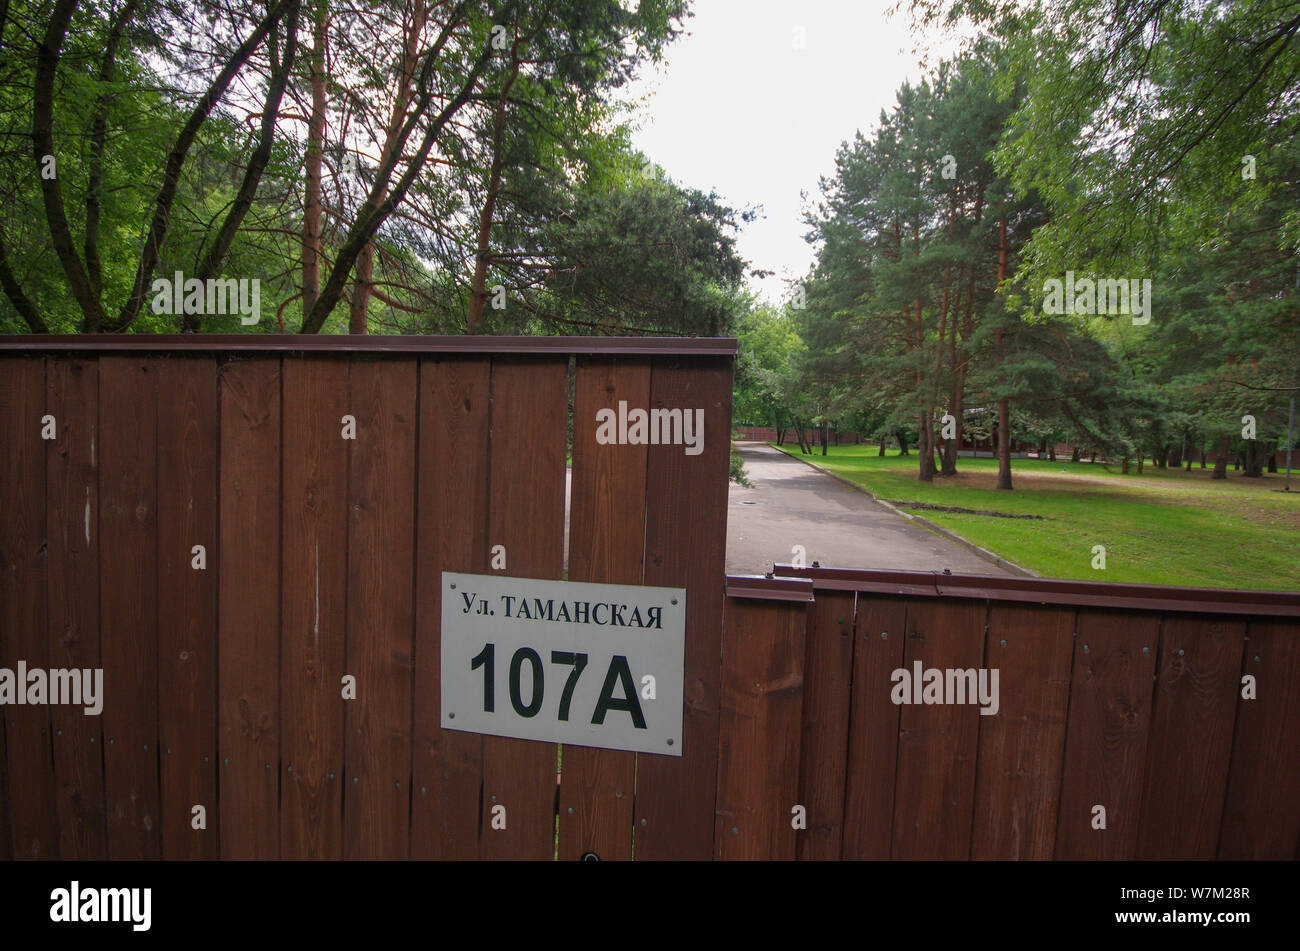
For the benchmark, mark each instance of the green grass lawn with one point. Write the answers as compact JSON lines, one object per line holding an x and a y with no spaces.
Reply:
{"x":1162,"y":527}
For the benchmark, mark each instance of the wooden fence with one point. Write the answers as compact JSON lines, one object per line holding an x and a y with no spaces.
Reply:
{"x":323,"y":556}
{"x":1128,"y":697}
{"x":320,"y":558}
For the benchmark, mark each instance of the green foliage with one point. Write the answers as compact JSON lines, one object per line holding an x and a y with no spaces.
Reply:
{"x":529,"y":168}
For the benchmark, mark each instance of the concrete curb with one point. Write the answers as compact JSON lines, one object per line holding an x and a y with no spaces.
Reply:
{"x":932,"y":526}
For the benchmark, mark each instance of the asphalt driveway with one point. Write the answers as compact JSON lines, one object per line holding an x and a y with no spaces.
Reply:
{"x":794,"y":504}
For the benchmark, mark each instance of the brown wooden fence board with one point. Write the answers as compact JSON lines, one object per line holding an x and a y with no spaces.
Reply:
{"x":878,"y":645}
{"x":1021,"y":748}
{"x":23,"y":631}
{"x":686,"y":531}
{"x":937,"y":744}
{"x":6,"y":838}
{"x":249,"y":610}
{"x":187,"y":604}
{"x":607,"y":513}
{"x":1106,"y":739}
{"x":526,"y":515}
{"x":1198,"y":678}
{"x":451,"y":535}
{"x":72,"y":508}
{"x":758,"y":738}
{"x":128,"y":584}
{"x":824,"y":744}
{"x":381,"y":623}
{"x":1261,"y":819}
{"x":314,"y":527}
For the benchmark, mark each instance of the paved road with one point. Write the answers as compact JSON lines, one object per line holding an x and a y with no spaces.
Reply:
{"x":794,"y":504}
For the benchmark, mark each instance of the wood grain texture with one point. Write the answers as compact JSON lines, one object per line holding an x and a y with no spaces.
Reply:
{"x":1261,"y":816}
{"x":249,"y":610}
{"x":824,"y":744}
{"x":6,"y":836}
{"x":451,"y":535}
{"x":1022,"y":746}
{"x":1191,"y":737}
{"x":526,"y":515}
{"x":128,"y":584}
{"x":938,"y":743}
{"x":313,"y":607}
{"x":24,"y":634}
{"x":873,"y":728}
{"x":686,"y":547}
{"x":72,"y":507}
{"x":187,"y":604}
{"x":381,"y":606}
{"x":607,"y":514}
{"x":1106,"y":734}
{"x":758,"y":738}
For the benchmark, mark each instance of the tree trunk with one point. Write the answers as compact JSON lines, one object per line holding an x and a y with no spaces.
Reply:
{"x":1254,"y":459}
{"x":362,"y":281}
{"x":98,"y":135}
{"x":802,"y":433}
{"x":1051,"y":452}
{"x":1004,"y":409}
{"x":924,"y":450}
{"x":883,"y":440}
{"x":1202,"y":457}
{"x":1074,"y":456}
{"x":478,"y":286}
{"x":1124,"y":466}
{"x":824,"y":427}
{"x":311,"y":206}
{"x":1221,"y":463}
{"x":902,"y":441}
{"x":215,"y":257}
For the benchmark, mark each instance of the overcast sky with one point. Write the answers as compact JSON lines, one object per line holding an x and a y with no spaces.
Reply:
{"x":754,"y":101}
